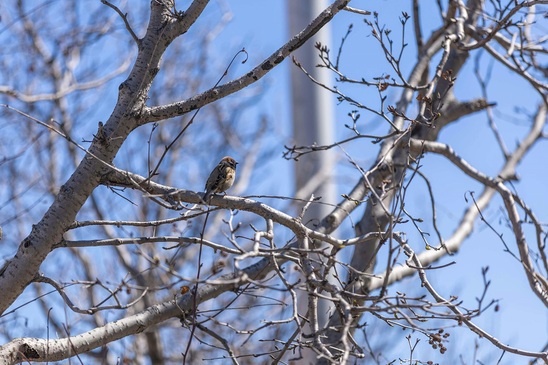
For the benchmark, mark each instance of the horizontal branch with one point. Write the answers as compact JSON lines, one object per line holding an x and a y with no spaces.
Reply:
{"x":143,"y":240}
{"x":172,"y":195}
{"x":452,"y":111}
{"x":38,"y":349}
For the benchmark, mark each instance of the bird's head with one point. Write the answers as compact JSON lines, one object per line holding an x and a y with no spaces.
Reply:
{"x":229,"y":161}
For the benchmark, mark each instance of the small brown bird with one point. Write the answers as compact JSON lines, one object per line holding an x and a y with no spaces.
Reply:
{"x":221,"y":178}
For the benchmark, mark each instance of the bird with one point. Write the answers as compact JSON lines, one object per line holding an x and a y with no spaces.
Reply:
{"x":221,"y":178}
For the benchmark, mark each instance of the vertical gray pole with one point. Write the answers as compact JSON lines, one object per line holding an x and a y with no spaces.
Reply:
{"x":312,"y":111}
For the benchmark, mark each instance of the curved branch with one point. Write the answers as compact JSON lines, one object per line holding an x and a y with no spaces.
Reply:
{"x":461,"y":317}
{"x":171,"y":195}
{"x":481,"y":42}
{"x":66,"y":90}
{"x":37,"y":349}
{"x":540,"y":86}
{"x":60,"y":289}
{"x":158,"y":113}
{"x":467,"y":221}
{"x":124,"y":18}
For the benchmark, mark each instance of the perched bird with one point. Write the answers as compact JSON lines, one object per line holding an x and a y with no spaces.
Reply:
{"x":221,"y":178}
